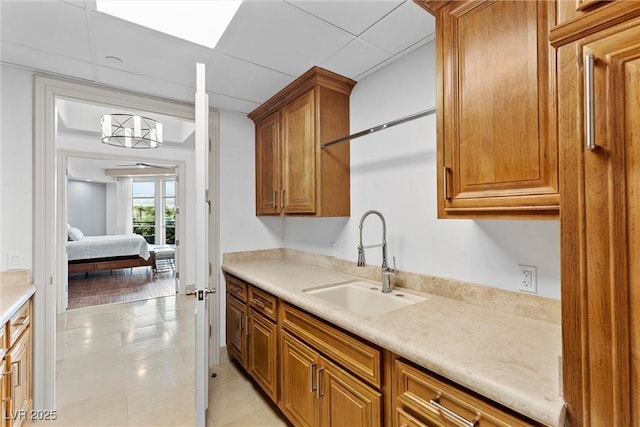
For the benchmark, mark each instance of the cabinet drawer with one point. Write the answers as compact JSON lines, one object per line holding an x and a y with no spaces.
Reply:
{"x":359,"y":357}
{"x":406,"y":420}
{"x":18,"y":323}
{"x":436,"y":402}
{"x":236,"y":287}
{"x":263,"y":303}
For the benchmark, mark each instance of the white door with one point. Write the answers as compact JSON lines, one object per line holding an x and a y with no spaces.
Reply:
{"x":201,"y":248}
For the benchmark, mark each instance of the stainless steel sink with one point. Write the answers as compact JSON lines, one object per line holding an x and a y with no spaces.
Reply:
{"x":364,"y":298}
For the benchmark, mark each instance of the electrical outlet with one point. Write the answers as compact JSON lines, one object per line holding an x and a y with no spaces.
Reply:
{"x":14,"y":260}
{"x":527,"y":280}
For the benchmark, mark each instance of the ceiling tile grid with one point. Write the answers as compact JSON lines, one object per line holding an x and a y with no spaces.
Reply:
{"x":267,"y":45}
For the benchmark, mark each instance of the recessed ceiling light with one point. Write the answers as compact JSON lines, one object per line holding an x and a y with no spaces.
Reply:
{"x":199,"y":21}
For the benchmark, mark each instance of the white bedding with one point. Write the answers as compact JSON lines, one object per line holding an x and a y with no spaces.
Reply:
{"x":108,"y":246}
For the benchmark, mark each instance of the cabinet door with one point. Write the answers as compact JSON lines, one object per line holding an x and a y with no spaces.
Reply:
{"x":19,"y":364}
{"x":298,"y":368}
{"x":299,"y":154}
{"x":263,"y":353}
{"x":236,"y":327}
{"x":600,"y":225}
{"x":268,"y":172}
{"x":497,"y":149}
{"x":4,"y":394}
{"x":345,"y":400}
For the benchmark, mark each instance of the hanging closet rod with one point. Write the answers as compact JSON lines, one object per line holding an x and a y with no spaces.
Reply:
{"x":381,"y":127}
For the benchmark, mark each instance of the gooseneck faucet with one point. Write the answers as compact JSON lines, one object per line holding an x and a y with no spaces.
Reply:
{"x":386,"y":271}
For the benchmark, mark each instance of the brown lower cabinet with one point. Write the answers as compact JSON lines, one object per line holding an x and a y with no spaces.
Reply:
{"x":19,"y":363}
{"x":320,"y":375}
{"x":422,"y":399}
{"x":263,"y":345}
{"x":15,"y":368}
{"x":320,"y":393}
{"x":4,"y":383}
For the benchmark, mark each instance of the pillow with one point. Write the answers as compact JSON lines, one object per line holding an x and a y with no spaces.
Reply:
{"x":75,"y":234}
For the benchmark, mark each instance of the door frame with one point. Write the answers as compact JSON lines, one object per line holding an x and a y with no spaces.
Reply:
{"x":47,"y":268}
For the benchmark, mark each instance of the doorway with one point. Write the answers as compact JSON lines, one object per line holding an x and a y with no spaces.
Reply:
{"x":117,"y":198}
{"x":49,"y":211}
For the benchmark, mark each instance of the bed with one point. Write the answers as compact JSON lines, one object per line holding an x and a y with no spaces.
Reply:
{"x":112,"y":252}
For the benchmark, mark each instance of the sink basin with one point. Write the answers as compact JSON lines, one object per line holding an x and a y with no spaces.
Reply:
{"x":364,"y":298}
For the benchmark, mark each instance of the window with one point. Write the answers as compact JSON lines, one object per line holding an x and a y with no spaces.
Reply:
{"x":154,"y":210}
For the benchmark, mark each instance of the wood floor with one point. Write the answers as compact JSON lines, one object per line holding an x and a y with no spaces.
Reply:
{"x":124,"y":285}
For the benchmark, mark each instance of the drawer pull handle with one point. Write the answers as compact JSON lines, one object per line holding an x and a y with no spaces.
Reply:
{"x":312,"y":386}
{"x":458,"y":418}
{"x":445,"y":182}
{"x":19,"y":375}
{"x":589,"y":103}
{"x":21,"y":322}
{"x":259,"y":303}
{"x":273,"y":202}
{"x":319,"y":392}
{"x":247,"y":328}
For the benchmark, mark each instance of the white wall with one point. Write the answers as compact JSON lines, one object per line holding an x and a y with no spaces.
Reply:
{"x":16,"y":178}
{"x":240,"y":229}
{"x":394,"y":171}
{"x":87,"y":206}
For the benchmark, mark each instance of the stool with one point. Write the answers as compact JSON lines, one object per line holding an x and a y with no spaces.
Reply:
{"x":165,"y":257}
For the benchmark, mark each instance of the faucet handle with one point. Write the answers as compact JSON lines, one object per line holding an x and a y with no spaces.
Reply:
{"x":392,"y":271}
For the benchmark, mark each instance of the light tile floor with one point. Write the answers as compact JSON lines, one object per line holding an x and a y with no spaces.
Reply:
{"x":131,"y":364}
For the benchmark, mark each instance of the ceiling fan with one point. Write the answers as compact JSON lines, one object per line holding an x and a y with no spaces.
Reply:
{"x":146,"y":165}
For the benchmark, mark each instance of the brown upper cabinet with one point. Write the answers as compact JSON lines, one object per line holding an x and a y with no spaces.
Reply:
{"x":294,"y":175}
{"x":497,"y":152}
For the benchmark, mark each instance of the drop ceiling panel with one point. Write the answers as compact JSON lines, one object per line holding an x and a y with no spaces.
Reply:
{"x":244,"y":80}
{"x":44,"y":61}
{"x":355,"y":58}
{"x":405,"y":26}
{"x":279,"y":36}
{"x":145,"y":85}
{"x":223,"y":102}
{"x":352,"y":16}
{"x":63,"y":24}
{"x":146,"y":52}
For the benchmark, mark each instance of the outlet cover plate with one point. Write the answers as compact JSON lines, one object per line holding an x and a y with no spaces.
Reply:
{"x":527,"y":279}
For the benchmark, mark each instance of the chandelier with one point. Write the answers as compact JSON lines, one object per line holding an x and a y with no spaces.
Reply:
{"x":129,"y":131}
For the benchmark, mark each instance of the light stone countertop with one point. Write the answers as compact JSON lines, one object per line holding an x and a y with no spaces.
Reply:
{"x":510,"y":359}
{"x":15,"y":290}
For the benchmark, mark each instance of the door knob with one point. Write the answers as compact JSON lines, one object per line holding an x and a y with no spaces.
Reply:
{"x":200,"y":293}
